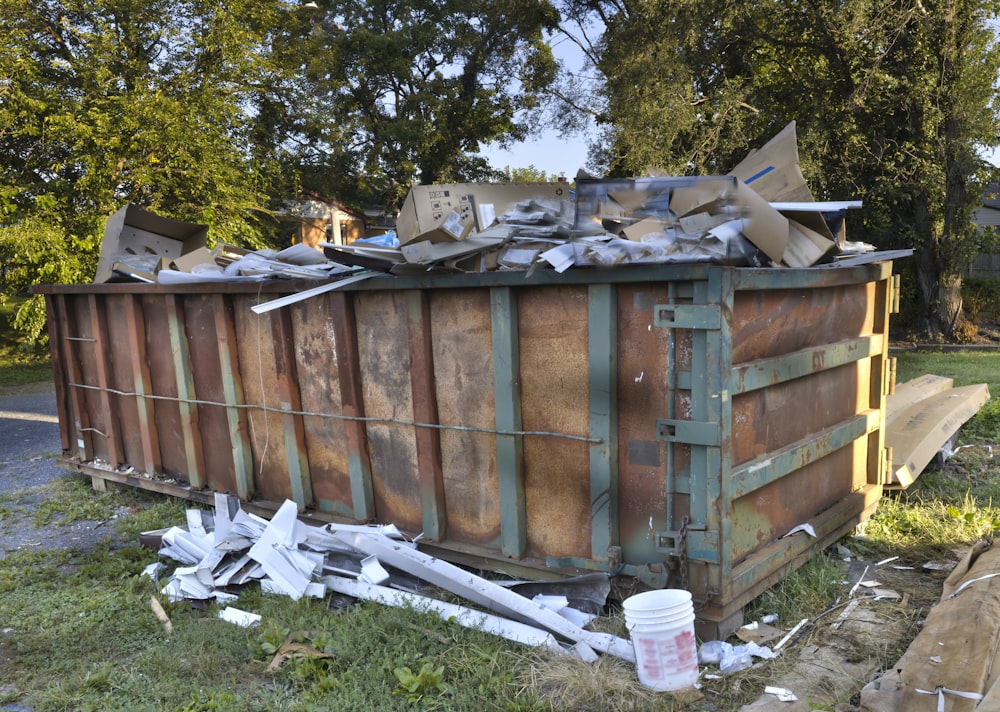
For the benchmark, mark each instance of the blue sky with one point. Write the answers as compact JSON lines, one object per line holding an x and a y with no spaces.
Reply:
{"x":550,"y":153}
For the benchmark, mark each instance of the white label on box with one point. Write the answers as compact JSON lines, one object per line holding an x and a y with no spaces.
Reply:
{"x":453,"y":224}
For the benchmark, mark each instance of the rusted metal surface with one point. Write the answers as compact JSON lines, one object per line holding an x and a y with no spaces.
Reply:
{"x":672,"y":423}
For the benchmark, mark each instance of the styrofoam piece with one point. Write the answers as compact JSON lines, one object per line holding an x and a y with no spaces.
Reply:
{"x":464,"y":616}
{"x":484,"y":592}
{"x":238,"y":617}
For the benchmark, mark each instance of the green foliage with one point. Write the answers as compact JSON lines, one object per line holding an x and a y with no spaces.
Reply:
{"x":806,"y":592}
{"x":415,"y":686}
{"x":23,"y":358}
{"x":526,"y":175}
{"x":218,"y":114}
{"x":891,"y":104}
{"x":966,"y":368}
{"x":409,"y":90}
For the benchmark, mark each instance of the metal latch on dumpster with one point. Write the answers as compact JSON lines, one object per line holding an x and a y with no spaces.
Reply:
{"x":688,"y":316}
{"x":689,"y":432}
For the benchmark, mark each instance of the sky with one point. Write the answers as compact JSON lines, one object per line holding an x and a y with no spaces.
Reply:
{"x":550,"y":153}
{"x":554,"y":155}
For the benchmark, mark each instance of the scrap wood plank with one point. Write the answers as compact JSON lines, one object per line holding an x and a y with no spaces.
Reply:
{"x":918,"y":432}
{"x":912,"y":392}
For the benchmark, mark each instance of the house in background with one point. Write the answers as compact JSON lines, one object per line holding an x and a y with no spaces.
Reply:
{"x":316,"y":219}
{"x":987,"y":215}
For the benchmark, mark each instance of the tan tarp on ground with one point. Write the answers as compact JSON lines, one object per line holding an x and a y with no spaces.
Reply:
{"x":954,"y":658}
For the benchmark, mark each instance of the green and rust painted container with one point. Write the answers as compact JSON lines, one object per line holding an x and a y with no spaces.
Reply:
{"x":669,"y":423}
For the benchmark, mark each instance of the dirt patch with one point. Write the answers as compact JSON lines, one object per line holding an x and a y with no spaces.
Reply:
{"x":836,"y":654}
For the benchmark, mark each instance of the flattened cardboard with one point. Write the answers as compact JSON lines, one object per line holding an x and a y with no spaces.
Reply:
{"x":427,"y":205}
{"x":806,"y":247}
{"x":188,"y":261}
{"x":705,"y":195}
{"x":764,"y":226}
{"x":639,"y":230}
{"x":773,"y":170}
{"x":912,"y":392}
{"x":138,"y":238}
{"x":426,"y":252}
{"x":918,"y":433}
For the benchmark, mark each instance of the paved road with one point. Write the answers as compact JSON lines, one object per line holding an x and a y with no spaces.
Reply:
{"x":29,"y":442}
{"x":29,"y":438}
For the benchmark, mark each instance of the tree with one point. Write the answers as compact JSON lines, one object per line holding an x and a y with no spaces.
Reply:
{"x":409,"y":89}
{"x":119,"y":101}
{"x":891,"y":99}
{"x":216,"y":113}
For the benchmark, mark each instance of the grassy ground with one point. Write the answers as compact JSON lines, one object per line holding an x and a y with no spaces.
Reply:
{"x":78,"y":631}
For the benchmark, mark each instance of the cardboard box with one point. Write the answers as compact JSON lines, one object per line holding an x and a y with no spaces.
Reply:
{"x":426,"y":206}
{"x":138,"y":239}
{"x":454,"y":228}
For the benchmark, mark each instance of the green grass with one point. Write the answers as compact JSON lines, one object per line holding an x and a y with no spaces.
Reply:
{"x":966,"y":368}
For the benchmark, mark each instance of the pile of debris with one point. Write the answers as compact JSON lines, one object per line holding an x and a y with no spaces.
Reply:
{"x":222,"y":551}
{"x":761,"y":214}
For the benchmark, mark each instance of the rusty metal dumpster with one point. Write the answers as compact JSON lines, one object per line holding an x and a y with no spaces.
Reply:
{"x":672,"y":423}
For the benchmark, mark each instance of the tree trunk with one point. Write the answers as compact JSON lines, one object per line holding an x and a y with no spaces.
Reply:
{"x":940,"y":295}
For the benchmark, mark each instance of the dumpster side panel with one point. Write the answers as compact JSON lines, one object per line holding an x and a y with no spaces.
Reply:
{"x":644,"y":393}
{"x":463,"y":374}
{"x":122,"y":353}
{"x":781,"y":321}
{"x":204,"y":343}
{"x":677,"y":421}
{"x":257,"y":345}
{"x":766,"y":420}
{"x":385,"y":373}
{"x":161,"y":358}
{"x":554,"y":388}
{"x":87,"y":345}
{"x":318,"y":366}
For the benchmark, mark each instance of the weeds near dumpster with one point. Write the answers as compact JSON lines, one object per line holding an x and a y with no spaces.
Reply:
{"x":417,"y":685}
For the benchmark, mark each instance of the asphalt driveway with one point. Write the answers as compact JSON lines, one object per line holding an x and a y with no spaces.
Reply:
{"x":29,"y":437}
{"x":29,"y":444}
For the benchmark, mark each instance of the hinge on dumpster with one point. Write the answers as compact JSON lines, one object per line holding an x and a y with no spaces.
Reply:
{"x":688,"y":316}
{"x":674,"y":544}
{"x":689,"y":432}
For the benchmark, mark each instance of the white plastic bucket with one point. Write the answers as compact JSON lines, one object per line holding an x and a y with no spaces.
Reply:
{"x":663,"y":600}
{"x":661,"y":626}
